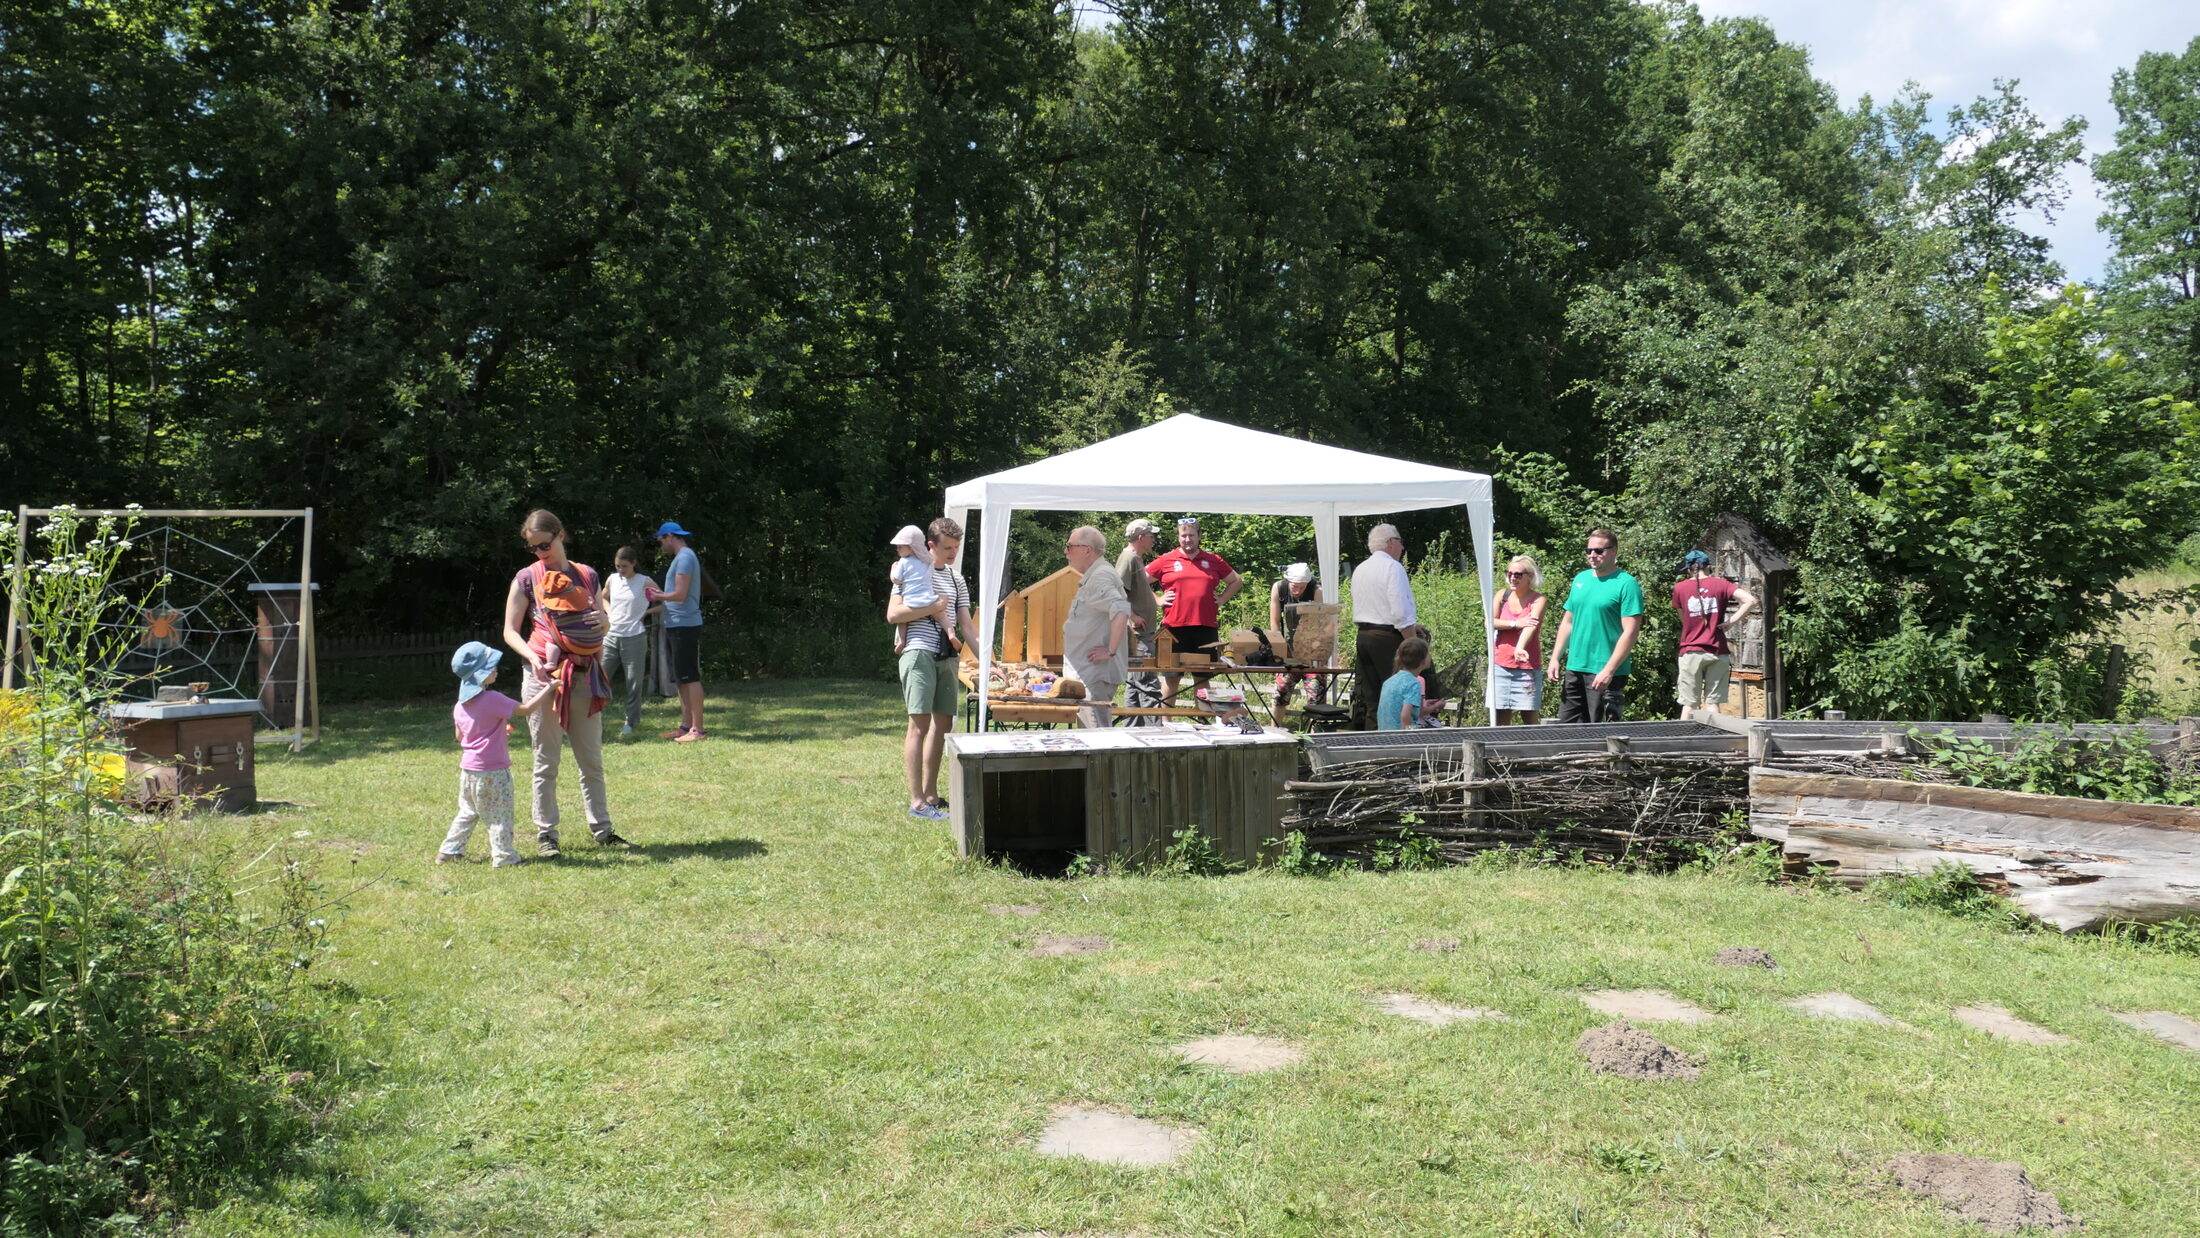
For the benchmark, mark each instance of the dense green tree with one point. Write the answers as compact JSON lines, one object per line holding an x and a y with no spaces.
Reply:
{"x":2152,"y":179}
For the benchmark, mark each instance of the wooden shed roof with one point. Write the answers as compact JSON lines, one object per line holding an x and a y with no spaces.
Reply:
{"x":1768,"y":559}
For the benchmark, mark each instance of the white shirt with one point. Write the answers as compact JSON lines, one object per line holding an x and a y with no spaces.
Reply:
{"x":1382,"y":592}
{"x":627,"y":602}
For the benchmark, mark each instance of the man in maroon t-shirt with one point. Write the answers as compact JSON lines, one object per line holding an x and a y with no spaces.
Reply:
{"x":1189,"y":578}
{"x":1704,"y":601}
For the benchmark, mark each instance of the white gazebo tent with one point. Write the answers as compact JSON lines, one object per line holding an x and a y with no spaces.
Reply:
{"x":1189,"y":463}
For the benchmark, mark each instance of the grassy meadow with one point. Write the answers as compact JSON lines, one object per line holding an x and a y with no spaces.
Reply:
{"x":2165,"y":640}
{"x":788,"y":1011}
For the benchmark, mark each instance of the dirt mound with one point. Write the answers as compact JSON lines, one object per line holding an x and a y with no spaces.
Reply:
{"x":1744,"y":956}
{"x":1996,"y":1194}
{"x":1621,"y":1049}
{"x":1056,"y":947}
{"x":1437,"y":945}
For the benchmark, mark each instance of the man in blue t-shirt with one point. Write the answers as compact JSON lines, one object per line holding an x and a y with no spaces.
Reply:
{"x":1590,"y":655}
{"x":683,"y":620}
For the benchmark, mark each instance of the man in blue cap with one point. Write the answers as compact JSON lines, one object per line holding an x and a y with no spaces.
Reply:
{"x":683,"y":620}
{"x":1708,"y":612}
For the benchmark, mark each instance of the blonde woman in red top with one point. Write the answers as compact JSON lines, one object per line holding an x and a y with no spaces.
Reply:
{"x":1517,"y":654}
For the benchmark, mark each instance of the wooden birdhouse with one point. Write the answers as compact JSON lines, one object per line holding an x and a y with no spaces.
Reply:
{"x":1741,"y":554}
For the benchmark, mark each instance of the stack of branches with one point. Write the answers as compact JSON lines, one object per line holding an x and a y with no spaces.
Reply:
{"x":1652,"y":809}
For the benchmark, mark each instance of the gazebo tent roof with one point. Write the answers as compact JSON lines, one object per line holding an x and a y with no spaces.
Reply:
{"x":1194,"y":464}
{"x":1191,"y":464}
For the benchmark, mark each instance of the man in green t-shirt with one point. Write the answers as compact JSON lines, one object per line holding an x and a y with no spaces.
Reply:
{"x":1589,"y":657}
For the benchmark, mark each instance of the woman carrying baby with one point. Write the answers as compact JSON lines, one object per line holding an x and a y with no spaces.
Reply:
{"x":562,"y":605}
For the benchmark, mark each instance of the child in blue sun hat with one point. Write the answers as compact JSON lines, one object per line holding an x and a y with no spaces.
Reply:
{"x":484,"y":759}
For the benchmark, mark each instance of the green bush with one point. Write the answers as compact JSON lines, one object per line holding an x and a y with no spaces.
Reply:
{"x":156,"y":1034}
{"x":2043,"y":761}
{"x":1949,"y":888}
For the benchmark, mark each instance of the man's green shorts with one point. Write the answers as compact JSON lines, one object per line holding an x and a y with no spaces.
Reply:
{"x":928,"y":684}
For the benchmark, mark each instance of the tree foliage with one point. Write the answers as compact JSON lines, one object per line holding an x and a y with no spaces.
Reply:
{"x":782,"y":271}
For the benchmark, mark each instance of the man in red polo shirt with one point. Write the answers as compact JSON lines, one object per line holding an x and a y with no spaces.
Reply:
{"x":1190,"y":576}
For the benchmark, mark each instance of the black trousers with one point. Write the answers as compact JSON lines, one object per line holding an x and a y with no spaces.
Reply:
{"x":1374,"y":659}
{"x":1578,"y":702}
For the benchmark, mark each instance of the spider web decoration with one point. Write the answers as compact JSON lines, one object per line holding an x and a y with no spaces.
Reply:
{"x":197,"y":622}
{"x":183,"y":611}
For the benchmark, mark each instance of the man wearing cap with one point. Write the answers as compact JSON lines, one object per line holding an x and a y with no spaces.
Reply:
{"x":1295,"y":586}
{"x":1138,"y":537}
{"x":1709,"y":610}
{"x":1189,"y":578}
{"x":1384,"y":613}
{"x":1096,"y":632}
{"x":683,"y":620}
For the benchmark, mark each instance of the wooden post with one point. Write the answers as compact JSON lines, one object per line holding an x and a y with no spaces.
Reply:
{"x":2112,"y":682}
{"x":1994,"y":719}
{"x":1615,"y":748}
{"x":15,"y":589}
{"x":305,"y":633}
{"x":1894,"y":743}
{"x":1837,"y":715}
{"x":1474,"y":763}
{"x":1760,"y":744}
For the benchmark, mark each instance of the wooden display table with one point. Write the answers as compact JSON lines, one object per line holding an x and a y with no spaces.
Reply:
{"x":1039,"y":799}
{"x":201,"y":753}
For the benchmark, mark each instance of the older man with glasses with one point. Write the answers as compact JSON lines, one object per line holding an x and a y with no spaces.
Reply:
{"x":1590,"y":656}
{"x":1096,"y":633}
{"x":1384,"y":613}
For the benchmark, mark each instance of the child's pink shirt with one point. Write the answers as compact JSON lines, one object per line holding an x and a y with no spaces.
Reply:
{"x":480,"y":723}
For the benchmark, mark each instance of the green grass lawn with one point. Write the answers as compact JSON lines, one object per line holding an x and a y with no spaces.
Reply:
{"x":788,"y":1012}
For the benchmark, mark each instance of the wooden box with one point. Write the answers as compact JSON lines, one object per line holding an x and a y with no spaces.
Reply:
{"x":1040,"y":799}
{"x":196,"y":753}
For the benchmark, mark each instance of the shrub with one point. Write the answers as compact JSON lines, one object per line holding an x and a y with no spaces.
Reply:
{"x":1296,"y":857}
{"x":155,"y":1033}
{"x":1193,"y":854}
{"x":2044,"y":762}
{"x":1949,"y":888}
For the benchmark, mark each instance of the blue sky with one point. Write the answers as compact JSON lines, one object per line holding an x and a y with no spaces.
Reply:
{"x":2061,"y":52}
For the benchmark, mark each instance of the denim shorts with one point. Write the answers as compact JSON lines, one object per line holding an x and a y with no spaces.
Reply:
{"x":1518,"y":687}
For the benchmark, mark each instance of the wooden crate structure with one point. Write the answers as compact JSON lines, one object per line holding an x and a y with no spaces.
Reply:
{"x":1032,"y":618}
{"x":1741,"y":554}
{"x":196,"y":753}
{"x":1039,"y":808}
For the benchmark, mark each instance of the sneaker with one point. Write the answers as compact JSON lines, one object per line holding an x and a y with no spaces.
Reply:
{"x":625,"y":731}
{"x":514,"y":862}
{"x":674,"y":734}
{"x":939,"y":802}
{"x":548,"y":851}
{"x":450,"y":857}
{"x":613,"y":840}
{"x":689,"y":737}
{"x":925,"y":812}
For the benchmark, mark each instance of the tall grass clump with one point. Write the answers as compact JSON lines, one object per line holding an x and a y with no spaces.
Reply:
{"x":157,"y":1037}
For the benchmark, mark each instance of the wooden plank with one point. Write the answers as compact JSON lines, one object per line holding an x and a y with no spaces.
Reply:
{"x":966,"y":809}
{"x":1013,"y":614}
{"x":1976,"y":799}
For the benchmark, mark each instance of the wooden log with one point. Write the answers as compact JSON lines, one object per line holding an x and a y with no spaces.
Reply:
{"x":2070,"y":863}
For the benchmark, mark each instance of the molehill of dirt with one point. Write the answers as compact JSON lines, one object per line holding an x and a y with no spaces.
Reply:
{"x":1996,"y":1194}
{"x":1744,"y":956}
{"x":1622,"y":1049}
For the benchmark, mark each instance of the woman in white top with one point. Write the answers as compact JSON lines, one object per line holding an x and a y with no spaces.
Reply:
{"x":627,"y":647}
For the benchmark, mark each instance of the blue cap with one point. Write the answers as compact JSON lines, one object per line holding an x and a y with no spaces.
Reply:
{"x":1695,"y":559}
{"x":672,"y":527}
{"x":473,"y":664}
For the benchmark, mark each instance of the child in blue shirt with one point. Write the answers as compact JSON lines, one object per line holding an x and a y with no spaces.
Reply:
{"x":1400,"y":706}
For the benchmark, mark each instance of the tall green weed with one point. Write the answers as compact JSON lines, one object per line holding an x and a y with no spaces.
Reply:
{"x":156,"y":1032}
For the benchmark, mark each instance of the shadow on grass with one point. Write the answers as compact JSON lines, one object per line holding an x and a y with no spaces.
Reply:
{"x":713,"y":849}
{"x":762,"y":711}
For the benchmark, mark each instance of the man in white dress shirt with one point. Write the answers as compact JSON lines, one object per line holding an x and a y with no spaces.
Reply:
{"x":1383,"y":610}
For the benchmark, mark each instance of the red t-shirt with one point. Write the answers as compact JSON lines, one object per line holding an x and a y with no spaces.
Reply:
{"x":1195,"y":577}
{"x":1703,"y":604}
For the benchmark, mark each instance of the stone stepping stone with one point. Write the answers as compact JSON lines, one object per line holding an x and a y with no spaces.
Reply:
{"x":2174,"y":1028}
{"x":1240,"y":1055}
{"x":1650,"y":1005}
{"x":1012,"y":909}
{"x":1995,"y":1021}
{"x":1435,"y":1014}
{"x":1056,"y":947}
{"x":1112,"y":1138}
{"x":1437,"y":945}
{"x":1843,"y":1007}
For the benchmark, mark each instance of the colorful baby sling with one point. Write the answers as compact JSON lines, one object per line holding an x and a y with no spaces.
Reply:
{"x":578,"y":635}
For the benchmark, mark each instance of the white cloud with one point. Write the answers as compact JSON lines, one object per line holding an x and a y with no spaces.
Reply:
{"x":2061,"y":52}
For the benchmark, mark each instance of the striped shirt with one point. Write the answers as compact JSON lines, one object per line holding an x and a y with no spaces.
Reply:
{"x":926,"y":633}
